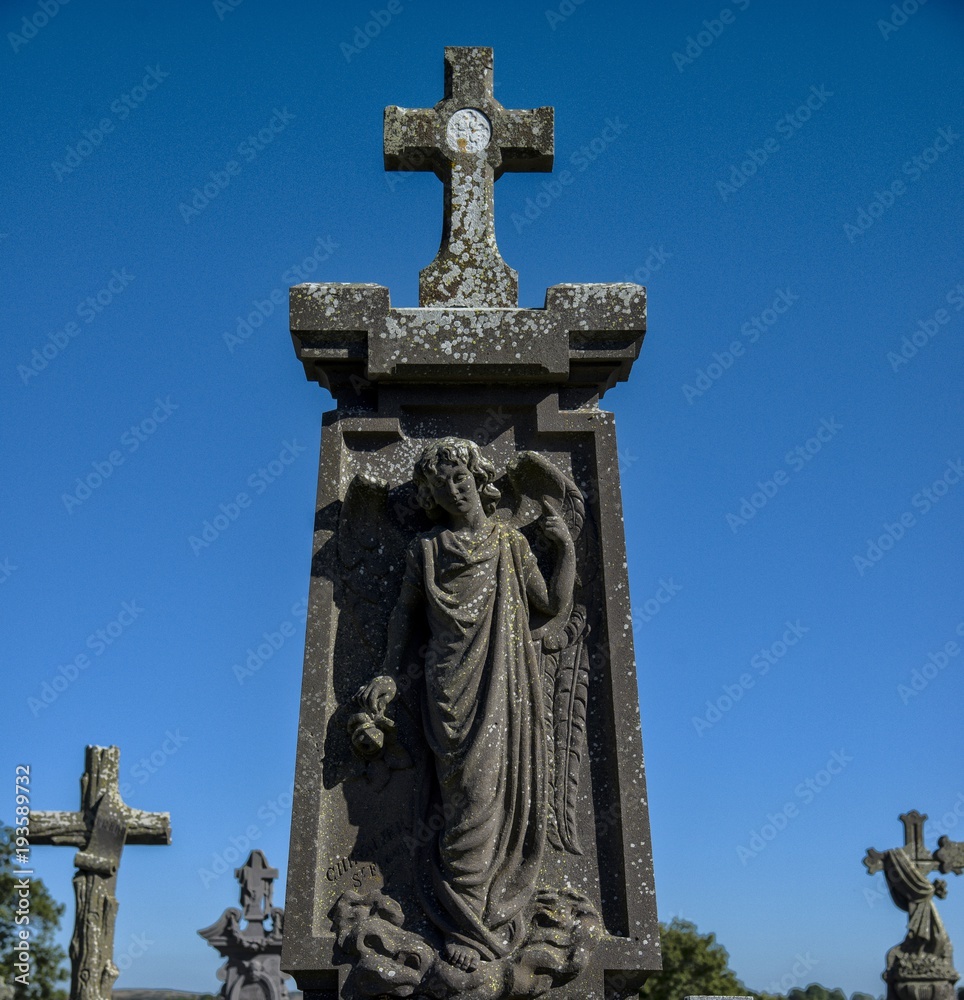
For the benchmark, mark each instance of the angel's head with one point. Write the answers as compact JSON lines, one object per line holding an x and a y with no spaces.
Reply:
{"x":452,"y":476}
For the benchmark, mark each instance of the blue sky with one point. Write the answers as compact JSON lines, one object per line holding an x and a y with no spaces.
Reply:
{"x":786,"y":182}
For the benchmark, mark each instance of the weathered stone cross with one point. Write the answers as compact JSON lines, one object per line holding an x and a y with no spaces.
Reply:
{"x":469,"y":140}
{"x":100,"y":829}
{"x":921,"y":965}
{"x":949,"y":857}
{"x":253,"y":953}
{"x":256,"y":878}
{"x":469,"y":327}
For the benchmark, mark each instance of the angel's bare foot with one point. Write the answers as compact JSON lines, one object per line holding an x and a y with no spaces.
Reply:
{"x":461,"y":956}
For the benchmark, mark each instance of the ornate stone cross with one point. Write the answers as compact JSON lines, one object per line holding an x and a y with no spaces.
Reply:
{"x":921,"y":966}
{"x":349,"y":336}
{"x":256,"y":879}
{"x":100,"y":829}
{"x":469,"y":140}
{"x":253,"y":952}
{"x":948,"y":858}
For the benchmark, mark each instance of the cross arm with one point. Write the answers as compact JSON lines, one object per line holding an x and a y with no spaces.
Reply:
{"x":411,"y":138}
{"x":525,"y":139}
{"x":58,"y":828}
{"x":68,"y":829}
{"x":950,"y":855}
{"x":147,"y":827}
{"x":873,"y":861}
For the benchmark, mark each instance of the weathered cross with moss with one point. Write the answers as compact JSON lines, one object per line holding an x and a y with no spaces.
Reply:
{"x":469,"y":140}
{"x":100,"y":829}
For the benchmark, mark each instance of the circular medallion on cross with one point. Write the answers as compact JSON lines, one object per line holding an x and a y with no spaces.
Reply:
{"x":468,"y":131}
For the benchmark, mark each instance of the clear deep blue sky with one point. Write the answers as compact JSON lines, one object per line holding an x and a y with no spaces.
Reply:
{"x":817,"y":259}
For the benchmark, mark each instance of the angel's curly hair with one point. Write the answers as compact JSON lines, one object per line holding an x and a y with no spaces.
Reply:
{"x":454,"y":450}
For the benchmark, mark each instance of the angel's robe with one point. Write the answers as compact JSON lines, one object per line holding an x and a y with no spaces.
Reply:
{"x":484,"y":722}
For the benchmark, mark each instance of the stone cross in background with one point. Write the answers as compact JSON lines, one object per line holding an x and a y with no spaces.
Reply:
{"x":253,"y":953}
{"x":470,"y":817}
{"x":921,"y":966}
{"x":100,"y":829}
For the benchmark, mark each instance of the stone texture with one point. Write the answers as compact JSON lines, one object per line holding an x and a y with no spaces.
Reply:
{"x":470,"y":815}
{"x":584,"y":340}
{"x":921,"y":967}
{"x":100,"y":829}
{"x":252,"y":949}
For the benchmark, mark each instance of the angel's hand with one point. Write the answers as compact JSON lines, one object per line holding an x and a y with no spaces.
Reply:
{"x":376,"y":695}
{"x":553,"y":524}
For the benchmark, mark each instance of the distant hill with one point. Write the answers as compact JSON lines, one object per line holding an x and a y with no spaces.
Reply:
{"x":175,"y":995}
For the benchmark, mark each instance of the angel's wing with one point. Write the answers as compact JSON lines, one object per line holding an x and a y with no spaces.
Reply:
{"x":538,"y":485}
{"x":569,"y":670}
{"x":535,"y":479}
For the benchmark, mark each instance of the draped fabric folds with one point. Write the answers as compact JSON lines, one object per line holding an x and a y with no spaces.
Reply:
{"x":914,"y":893}
{"x":483,"y":718}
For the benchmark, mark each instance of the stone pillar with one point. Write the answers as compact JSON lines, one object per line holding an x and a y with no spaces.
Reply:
{"x":470,"y":815}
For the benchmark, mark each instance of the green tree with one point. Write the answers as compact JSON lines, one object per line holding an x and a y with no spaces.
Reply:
{"x":697,"y":964}
{"x":47,"y":958}
{"x":694,"y":964}
{"x":817,"y":992}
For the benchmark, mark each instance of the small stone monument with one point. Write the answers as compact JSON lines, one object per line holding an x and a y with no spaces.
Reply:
{"x":100,"y":829}
{"x":253,"y":952}
{"x":921,"y":967}
{"x":470,"y":815}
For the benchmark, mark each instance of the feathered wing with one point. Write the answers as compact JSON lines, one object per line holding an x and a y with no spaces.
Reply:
{"x":535,"y":479}
{"x":566,"y":661}
{"x":569,"y":710}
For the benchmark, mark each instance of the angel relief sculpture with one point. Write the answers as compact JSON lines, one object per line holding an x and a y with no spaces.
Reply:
{"x":502,"y":696}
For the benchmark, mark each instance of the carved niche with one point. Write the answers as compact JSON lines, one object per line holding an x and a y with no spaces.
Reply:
{"x":470,"y":596}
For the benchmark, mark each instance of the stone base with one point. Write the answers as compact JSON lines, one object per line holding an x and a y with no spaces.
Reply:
{"x":389,"y":961}
{"x":921,"y":989}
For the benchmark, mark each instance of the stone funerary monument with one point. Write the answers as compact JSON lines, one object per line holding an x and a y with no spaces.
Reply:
{"x":250,"y":938}
{"x":470,"y":813}
{"x":921,"y":967}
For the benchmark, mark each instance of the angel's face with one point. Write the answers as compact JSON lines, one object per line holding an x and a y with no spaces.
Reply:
{"x":454,"y":490}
